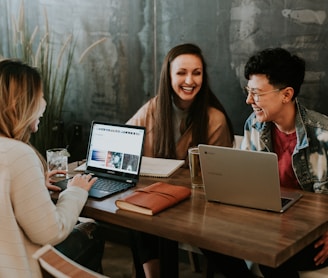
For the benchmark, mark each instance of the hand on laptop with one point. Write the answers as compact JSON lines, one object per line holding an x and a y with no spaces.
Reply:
{"x":82,"y":180}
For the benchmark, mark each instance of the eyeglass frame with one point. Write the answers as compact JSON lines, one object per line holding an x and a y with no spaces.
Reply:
{"x":256,"y":96}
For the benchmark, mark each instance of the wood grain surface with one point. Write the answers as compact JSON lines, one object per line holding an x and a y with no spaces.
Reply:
{"x":260,"y":236}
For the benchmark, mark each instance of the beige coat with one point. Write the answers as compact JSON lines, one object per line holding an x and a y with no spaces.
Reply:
{"x":218,"y":132}
{"x":29,"y":219}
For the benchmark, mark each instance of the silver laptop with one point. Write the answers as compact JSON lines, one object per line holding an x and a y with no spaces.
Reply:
{"x":244,"y":178}
{"x":114,"y":155}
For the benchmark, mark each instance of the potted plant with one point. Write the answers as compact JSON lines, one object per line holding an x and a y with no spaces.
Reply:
{"x":37,"y":49}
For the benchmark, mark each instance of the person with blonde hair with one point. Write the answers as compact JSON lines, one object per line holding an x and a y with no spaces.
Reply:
{"x":30,"y":218}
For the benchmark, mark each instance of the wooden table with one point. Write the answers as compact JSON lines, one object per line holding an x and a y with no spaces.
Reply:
{"x":259,"y":236}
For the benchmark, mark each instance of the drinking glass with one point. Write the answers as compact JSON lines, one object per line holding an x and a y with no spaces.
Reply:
{"x":195,"y":169}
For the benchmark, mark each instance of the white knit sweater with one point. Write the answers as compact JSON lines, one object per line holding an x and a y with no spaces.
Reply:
{"x":28,"y":217}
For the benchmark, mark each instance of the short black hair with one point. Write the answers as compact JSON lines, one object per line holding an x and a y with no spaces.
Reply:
{"x":281,"y":68}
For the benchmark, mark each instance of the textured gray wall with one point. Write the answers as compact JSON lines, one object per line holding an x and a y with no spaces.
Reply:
{"x":119,"y":75}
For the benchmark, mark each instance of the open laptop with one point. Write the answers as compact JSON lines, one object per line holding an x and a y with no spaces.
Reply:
{"x":114,"y":156}
{"x":244,"y":178}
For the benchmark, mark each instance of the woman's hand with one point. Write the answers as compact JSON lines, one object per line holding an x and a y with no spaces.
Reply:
{"x":50,"y":180}
{"x":323,"y":254}
{"x":83,"y":181}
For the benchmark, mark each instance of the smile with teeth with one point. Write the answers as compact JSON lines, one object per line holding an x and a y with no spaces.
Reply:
{"x":188,"y":89}
{"x":257,"y":109}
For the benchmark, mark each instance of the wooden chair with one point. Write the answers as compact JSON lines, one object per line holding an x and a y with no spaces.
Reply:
{"x":319,"y":273}
{"x":54,"y":264}
{"x":193,"y":255}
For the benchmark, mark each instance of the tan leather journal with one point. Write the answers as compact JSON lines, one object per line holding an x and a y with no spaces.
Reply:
{"x":154,"y":198}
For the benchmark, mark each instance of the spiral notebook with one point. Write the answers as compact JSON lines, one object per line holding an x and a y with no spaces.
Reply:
{"x":159,"y":167}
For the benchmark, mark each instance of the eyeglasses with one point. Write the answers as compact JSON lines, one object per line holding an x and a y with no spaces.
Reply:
{"x":255,"y":95}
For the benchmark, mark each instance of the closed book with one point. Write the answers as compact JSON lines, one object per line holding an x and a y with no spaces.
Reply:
{"x":154,"y":198}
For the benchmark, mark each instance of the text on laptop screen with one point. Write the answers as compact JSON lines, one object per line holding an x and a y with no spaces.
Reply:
{"x":117,"y":148}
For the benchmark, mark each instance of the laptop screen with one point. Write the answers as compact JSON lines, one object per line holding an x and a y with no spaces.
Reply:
{"x":115,"y":149}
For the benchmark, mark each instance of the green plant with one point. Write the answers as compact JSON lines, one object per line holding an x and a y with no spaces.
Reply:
{"x":38,"y":49}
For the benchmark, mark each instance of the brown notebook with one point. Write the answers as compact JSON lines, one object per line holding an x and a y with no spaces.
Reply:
{"x":154,"y":198}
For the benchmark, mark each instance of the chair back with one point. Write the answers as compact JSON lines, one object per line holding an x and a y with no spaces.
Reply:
{"x":238,"y":140}
{"x":54,"y":264}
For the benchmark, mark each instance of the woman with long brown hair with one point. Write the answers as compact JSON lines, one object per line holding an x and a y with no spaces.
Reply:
{"x":184,"y":113}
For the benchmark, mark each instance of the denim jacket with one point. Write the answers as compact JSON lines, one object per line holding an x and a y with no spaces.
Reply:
{"x":310,"y":156}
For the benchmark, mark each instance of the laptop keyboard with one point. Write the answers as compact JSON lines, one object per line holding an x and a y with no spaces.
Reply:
{"x":101,"y":184}
{"x":110,"y":186}
{"x":284,"y":201}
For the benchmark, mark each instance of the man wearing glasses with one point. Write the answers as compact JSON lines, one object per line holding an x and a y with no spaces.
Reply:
{"x":299,"y":137}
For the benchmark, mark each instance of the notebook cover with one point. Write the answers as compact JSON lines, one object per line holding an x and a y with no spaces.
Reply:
{"x":154,"y":198}
{"x":159,"y":167}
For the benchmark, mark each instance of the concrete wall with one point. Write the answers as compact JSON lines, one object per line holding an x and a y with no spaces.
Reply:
{"x":119,"y":75}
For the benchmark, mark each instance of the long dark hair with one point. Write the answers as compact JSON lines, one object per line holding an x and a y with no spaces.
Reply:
{"x":164,"y":144}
